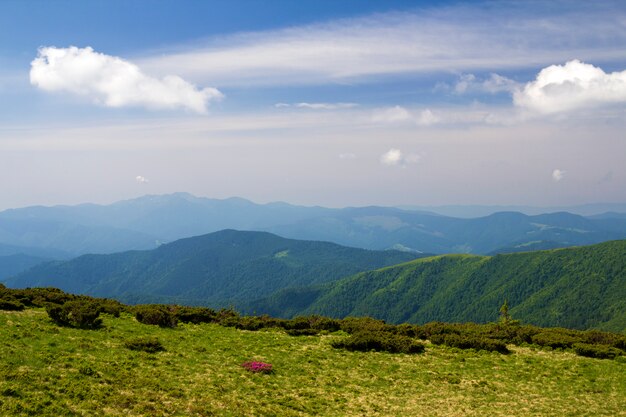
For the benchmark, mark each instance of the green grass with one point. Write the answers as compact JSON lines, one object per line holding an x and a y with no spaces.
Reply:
{"x":46,"y":370}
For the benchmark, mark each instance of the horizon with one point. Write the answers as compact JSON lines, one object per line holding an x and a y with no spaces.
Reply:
{"x":398,"y":103}
{"x":448,"y":210}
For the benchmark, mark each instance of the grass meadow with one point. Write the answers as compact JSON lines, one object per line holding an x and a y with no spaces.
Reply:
{"x":47,"y":370}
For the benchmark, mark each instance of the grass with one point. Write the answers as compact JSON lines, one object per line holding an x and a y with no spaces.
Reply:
{"x":46,"y":370}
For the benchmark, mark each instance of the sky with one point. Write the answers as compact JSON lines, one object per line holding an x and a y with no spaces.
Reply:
{"x":332,"y":103}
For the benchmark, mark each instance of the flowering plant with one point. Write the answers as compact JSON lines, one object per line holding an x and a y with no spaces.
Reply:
{"x":258,"y":367}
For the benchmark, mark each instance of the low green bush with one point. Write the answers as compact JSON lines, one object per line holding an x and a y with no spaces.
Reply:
{"x":155,"y":314}
{"x":365,"y":341}
{"x":363,"y":324}
{"x":470,"y":342}
{"x":556,"y":339}
{"x":596,"y":351}
{"x":83,"y":314}
{"x":195,"y":315}
{"x":11,"y":305}
{"x":302,"y":332}
{"x":144,"y":344}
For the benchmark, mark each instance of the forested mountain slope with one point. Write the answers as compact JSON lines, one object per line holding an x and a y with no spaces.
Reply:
{"x":581,"y":287}
{"x":215,"y":269}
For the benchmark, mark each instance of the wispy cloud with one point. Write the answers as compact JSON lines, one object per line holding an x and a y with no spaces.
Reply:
{"x":456,"y":38}
{"x":572,"y":86}
{"x":114,"y":82}
{"x":317,"y":106}
{"x":469,"y":83}
{"x":141,"y":179}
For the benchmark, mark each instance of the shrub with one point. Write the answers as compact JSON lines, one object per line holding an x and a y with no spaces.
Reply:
{"x":302,"y":332}
{"x":158,"y":315}
{"x":365,"y":341}
{"x":145,"y":344}
{"x":13,"y":305}
{"x":84,"y":314}
{"x":111,"y":307}
{"x":596,"y":351}
{"x":555,"y":338}
{"x":256,"y":322}
{"x":195,"y":314}
{"x":363,"y":324}
{"x":313,"y":322}
{"x":258,"y":367}
{"x":470,"y":342}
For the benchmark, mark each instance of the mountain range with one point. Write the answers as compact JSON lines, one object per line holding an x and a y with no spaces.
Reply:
{"x":147,"y":222}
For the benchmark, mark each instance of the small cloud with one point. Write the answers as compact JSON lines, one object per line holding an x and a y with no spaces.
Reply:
{"x":426,"y":118}
{"x":141,"y":180}
{"x":557,"y":175}
{"x":395,"y":157}
{"x":281,"y":105}
{"x":391,"y":115}
{"x":114,"y":82}
{"x":469,"y":83}
{"x":325,"y":106}
{"x":347,"y":155}
{"x":575,"y":85}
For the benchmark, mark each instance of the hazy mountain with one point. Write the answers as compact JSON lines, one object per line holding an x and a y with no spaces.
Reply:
{"x":471,"y":211}
{"x":215,"y":269}
{"x":145,"y":222}
{"x":576,"y":287}
{"x":14,"y":264}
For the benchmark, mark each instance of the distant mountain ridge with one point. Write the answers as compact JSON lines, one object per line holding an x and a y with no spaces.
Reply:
{"x":217,"y":269}
{"x":146,"y":222}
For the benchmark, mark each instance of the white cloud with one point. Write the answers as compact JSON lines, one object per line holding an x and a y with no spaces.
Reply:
{"x":141,"y":180}
{"x":114,"y":82}
{"x":391,"y":115}
{"x":395,"y":157}
{"x":426,"y":118}
{"x":469,"y":83}
{"x":575,"y":85}
{"x":557,"y":175}
{"x":399,"y":114}
{"x":347,"y":155}
{"x":317,"y":106}
{"x":453,"y":38}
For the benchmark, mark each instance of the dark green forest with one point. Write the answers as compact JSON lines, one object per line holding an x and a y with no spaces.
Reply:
{"x":581,"y":288}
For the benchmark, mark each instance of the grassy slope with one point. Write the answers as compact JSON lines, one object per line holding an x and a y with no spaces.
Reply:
{"x":582,"y":287}
{"x":51,"y":371}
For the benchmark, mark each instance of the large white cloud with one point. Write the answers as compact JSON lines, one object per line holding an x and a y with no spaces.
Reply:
{"x":575,"y":85}
{"x":114,"y":82}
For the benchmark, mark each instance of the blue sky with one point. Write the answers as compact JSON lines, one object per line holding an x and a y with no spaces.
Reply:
{"x":314,"y":102}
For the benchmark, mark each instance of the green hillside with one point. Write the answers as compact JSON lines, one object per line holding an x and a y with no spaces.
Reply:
{"x":203,"y":362}
{"x":215,"y":269}
{"x":583,"y":287}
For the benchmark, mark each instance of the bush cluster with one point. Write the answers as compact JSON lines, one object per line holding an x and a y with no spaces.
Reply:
{"x":380,"y":341}
{"x":470,"y":342}
{"x":156,"y":314}
{"x":83,"y":314}
{"x":144,"y":344}
{"x":597,"y":351}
